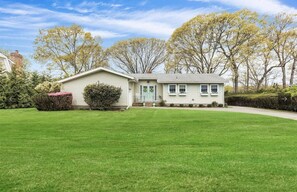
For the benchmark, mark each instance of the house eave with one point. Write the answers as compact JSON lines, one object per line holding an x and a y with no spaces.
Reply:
{"x":92,"y":72}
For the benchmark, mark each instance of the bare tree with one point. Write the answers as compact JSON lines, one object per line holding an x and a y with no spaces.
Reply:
{"x":139,"y":55}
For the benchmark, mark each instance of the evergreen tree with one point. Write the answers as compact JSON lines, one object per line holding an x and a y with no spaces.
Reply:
{"x":3,"y":88}
{"x":19,"y":90}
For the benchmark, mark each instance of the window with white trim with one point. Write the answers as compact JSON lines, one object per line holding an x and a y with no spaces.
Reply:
{"x":172,"y":89}
{"x":214,"y":89}
{"x":204,"y":89}
{"x":182,"y":88}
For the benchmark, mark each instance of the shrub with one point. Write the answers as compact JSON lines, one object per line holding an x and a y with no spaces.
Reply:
{"x":162,"y":103}
{"x":101,"y":96}
{"x":191,"y":105}
{"x":282,"y":101}
{"x":53,"y":102}
{"x":220,"y":105}
{"x":181,"y":105}
{"x":48,"y":87}
{"x":214,"y":104}
{"x":201,"y":105}
{"x":209,"y":105}
{"x":171,"y":105}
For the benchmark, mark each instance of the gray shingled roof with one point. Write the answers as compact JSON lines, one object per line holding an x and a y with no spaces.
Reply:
{"x":181,"y":78}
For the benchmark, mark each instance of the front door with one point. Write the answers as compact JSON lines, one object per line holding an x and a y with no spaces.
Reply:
{"x":148,"y":93}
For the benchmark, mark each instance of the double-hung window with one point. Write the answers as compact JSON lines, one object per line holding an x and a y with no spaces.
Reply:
{"x":182,"y":89}
{"x":204,"y":89}
{"x":214,"y":89}
{"x":172,"y":89}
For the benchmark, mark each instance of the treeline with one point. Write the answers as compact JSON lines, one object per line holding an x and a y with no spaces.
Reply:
{"x":254,"y":50}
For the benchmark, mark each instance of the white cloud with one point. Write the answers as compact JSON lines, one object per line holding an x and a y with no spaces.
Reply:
{"x":86,"y":6}
{"x":262,"y":6}
{"x":104,"y":34}
{"x":108,"y":23}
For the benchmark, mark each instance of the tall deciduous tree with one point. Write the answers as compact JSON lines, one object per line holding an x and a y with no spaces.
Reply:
{"x":293,"y":45}
{"x":69,"y":49}
{"x":282,"y":30}
{"x":193,"y":48}
{"x":139,"y":55}
{"x":240,"y":32}
{"x":214,"y":43}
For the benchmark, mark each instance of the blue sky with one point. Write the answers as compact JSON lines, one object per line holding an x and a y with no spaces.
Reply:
{"x":114,"y":20}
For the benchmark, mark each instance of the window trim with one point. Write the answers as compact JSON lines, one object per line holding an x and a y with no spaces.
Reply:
{"x":169,"y":89}
{"x":204,"y":93}
{"x":212,"y":93}
{"x":186,"y":89}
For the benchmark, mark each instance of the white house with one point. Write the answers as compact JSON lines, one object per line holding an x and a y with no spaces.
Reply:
{"x":5,"y":63}
{"x":150,"y":88}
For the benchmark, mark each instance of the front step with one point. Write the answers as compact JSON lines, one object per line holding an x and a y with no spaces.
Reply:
{"x":147,"y":104}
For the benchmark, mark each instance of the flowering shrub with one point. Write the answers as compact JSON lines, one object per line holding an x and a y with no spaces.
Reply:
{"x":53,"y":101}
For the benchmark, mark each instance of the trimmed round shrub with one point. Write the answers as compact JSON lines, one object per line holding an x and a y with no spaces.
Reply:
{"x":100,"y":96}
{"x":214,"y":104}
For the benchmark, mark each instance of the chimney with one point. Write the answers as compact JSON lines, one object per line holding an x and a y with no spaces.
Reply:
{"x":17,"y":58}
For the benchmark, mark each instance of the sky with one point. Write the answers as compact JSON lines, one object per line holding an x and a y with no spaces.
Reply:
{"x":114,"y":20}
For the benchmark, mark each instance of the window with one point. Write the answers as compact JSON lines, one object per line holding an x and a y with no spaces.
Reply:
{"x":204,"y":89}
{"x":182,"y":89}
{"x":172,"y":89}
{"x":214,"y":89}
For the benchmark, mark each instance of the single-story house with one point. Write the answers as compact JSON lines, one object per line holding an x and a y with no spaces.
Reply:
{"x":150,"y":88}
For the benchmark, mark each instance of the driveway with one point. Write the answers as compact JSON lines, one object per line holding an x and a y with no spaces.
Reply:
{"x":268,"y":112}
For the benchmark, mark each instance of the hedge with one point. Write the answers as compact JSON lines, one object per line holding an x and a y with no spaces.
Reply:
{"x":53,"y":101}
{"x":280,"y":101}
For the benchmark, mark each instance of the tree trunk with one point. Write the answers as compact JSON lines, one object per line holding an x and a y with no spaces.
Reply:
{"x":293,"y":72}
{"x":284,"y":77}
{"x":247,"y":77}
{"x":236,"y":81}
{"x":266,"y":77}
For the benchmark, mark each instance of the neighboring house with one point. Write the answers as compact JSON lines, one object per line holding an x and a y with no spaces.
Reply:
{"x":150,"y":88}
{"x":5,"y":63}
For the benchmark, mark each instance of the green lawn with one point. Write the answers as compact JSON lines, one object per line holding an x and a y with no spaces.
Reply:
{"x":146,"y":150}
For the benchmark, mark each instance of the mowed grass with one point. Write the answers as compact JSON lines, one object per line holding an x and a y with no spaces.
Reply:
{"x":146,"y":150}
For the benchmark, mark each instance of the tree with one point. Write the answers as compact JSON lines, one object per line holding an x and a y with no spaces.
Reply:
{"x":293,"y":47}
{"x":18,"y":90}
{"x":193,"y":47}
{"x":69,"y":49}
{"x":3,"y":88}
{"x":281,"y":33}
{"x":240,"y":31}
{"x":139,"y":55}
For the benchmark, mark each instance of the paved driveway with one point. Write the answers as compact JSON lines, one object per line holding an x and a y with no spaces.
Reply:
{"x":268,"y":112}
